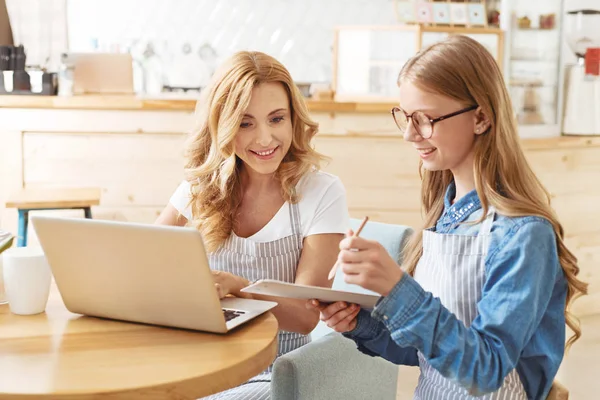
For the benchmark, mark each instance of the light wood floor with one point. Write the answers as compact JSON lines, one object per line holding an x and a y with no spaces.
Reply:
{"x":579,"y":372}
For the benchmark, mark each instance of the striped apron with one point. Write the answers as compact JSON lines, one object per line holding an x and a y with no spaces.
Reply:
{"x":267,"y":260}
{"x":452,"y":268}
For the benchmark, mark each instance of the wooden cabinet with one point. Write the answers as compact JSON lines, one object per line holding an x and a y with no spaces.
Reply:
{"x":135,"y":157}
{"x":137,"y":172}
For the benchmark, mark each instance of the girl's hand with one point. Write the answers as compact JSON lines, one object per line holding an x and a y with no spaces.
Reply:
{"x":227,"y":283}
{"x":366,"y":263}
{"x":340,"y":316}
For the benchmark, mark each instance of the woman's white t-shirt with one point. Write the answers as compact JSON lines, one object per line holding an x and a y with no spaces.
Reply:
{"x":322,"y":206}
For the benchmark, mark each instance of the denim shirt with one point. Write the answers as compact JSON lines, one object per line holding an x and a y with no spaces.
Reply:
{"x":521,"y":322}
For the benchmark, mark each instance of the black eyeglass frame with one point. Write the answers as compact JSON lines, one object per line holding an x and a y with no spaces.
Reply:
{"x":432,"y":121}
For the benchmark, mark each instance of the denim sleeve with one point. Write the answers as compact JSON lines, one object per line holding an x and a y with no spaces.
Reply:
{"x":373,"y":338}
{"x":520,"y":274}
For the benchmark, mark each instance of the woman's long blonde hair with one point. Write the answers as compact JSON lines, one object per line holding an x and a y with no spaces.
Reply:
{"x":462,"y":69}
{"x":212,"y":167}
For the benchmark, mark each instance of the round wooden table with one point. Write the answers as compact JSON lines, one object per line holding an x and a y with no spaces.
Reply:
{"x":60,"y":355}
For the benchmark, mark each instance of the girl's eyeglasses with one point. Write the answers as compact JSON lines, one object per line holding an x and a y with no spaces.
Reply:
{"x":422,"y":122}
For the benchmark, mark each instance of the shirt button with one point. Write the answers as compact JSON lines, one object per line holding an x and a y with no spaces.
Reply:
{"x":385,"y":317}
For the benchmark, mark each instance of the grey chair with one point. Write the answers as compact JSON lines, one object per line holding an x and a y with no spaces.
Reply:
{"x":330,"y":367}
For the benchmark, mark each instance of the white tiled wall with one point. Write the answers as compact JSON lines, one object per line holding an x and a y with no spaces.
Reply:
{"x":297,"y":32}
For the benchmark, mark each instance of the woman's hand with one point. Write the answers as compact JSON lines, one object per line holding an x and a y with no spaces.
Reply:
{"x":366,"y":263}
{"x":227,"y":283}
{"x":340,"y":317}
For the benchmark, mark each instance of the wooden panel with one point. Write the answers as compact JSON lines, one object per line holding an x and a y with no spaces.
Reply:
{"x":48,"y":146}
{"x":11,"y":175}
{"x":572,"y":175}
{"x":568,"y":182}
{"x":577,"y":213}
{"x":560,"y":160}
{"x":380,"y":174}
{"x":353,"y":124}
{"x":587,"y":249}
{"x":560,"y":142}
{"x":100,"y":121}
{"x":131,"y":169}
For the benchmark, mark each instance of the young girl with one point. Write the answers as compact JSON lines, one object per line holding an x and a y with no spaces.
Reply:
{"x":482,"y":299}
{"x":254,"y":190}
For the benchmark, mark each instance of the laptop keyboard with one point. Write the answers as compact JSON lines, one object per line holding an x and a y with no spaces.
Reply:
{"x":231,"y":314}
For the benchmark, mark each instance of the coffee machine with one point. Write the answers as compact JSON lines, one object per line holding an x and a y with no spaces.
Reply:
{"x":582,"y":91}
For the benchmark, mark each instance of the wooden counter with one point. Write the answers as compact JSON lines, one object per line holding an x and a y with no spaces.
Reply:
{"x":164,"y":103}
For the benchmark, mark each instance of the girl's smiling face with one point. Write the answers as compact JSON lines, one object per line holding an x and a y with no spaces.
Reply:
{"x":450,"y":146}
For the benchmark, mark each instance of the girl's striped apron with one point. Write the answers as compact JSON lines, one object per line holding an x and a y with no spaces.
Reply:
{"x":452,"y":268}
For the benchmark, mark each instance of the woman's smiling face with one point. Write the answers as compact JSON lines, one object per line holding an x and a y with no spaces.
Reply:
{"x":266,"y":131}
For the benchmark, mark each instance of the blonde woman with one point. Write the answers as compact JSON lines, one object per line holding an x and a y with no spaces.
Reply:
{"x":483,"y":296}
{"x":255,"y":192}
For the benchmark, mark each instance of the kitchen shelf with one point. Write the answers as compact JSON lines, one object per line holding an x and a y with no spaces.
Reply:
{"x":532,"y":86}
{"x":393,"y":63}
{"x":532,"y":60}
{"x":537,"y":29}
{"x":368,"y":58}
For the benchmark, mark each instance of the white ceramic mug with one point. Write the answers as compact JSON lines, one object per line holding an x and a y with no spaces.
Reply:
{"x":27,"y":279}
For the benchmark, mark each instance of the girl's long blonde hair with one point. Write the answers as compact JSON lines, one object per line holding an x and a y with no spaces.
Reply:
{"x":462,"y":69}
{"x":212,"y":167}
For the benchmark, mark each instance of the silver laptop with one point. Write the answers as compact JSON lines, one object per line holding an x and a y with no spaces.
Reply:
{"x":140,"y":273}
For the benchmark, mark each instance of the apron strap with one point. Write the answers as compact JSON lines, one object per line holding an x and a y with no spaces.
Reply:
{"x":486,"y":225}
{"x":296,"y":223}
